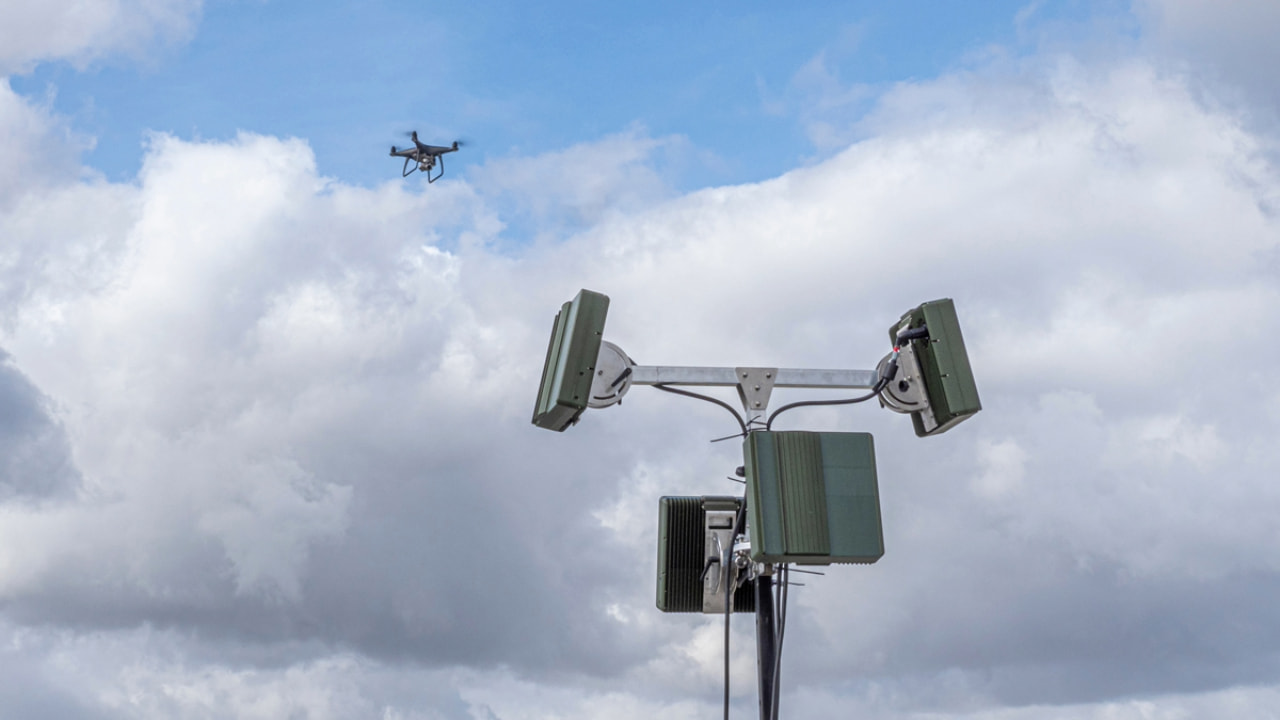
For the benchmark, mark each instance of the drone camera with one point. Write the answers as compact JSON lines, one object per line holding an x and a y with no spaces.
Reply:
{"x":569,"y":368}
{"x":813,"y":498}
{"x":696,"y":572}
{"x":934,"y":382}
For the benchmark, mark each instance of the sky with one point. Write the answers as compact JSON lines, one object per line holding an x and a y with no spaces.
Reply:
{"x":265,"y":446}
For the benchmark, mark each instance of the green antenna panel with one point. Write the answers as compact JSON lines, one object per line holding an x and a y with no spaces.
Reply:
{"x":813,"y":498}
{"x":571,"y":361}
{"x":951,"y":395}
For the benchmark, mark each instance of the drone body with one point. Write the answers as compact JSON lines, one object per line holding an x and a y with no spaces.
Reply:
{"x":423,"y":157}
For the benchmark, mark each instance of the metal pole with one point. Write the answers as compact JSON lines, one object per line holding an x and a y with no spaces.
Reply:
{"x":765,"y":649}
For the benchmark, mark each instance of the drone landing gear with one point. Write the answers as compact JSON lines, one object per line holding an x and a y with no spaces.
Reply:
{"x":439,"y":174}
{"x":412,"y":164}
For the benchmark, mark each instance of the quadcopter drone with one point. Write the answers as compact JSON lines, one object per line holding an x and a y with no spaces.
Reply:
{"x":423,"y":157}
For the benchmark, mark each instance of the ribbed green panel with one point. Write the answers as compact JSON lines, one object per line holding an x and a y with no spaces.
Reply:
{"x":764,"y":504}
{"x":814,"y":498}
{"x":803,"y":492}
{"x":681,"y":557}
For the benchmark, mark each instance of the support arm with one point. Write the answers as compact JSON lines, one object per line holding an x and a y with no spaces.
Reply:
{"x":728,"y":377}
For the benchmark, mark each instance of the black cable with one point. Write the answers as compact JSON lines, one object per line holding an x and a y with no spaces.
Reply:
{"x":623,"y":376}
{"x":916,"y":333}
{"x":702,"y":577}
{"x":729,"y":590}
{"x":887,"y":374}
{"x":880,"y":386}
{"x":728,"y":612}
{"x":781,"y":624}
{"x":741,"y":423}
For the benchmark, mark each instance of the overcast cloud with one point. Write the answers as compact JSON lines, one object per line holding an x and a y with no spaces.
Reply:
{"x":264,"y":437}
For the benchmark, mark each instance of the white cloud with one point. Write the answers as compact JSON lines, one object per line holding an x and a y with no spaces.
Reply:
{"x":85,"y":30}
{"x":564,"y":190}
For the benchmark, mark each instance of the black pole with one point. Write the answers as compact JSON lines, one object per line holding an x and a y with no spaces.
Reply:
{"x":766,"y":654}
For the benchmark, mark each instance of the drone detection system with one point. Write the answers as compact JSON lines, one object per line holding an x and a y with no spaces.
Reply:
{"x":423,"y":157}
{"x":812,"y":498}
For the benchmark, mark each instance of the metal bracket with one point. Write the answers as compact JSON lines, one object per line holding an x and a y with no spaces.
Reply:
{"x":613,"y":376}
{"x":721,"y":514}
{"x":905,"y":393}
{"x":755,"y":385}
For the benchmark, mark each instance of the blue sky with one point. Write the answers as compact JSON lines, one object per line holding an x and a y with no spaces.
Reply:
{"x":520,"y":78}
{"x":265,"y":446}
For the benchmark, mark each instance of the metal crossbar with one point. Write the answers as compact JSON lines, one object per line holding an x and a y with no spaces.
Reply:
{"x":728,"y":377}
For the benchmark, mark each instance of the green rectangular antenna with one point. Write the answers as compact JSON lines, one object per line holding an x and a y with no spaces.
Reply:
{"x":949,"y":387}
{"x":686,"y":526}
{"x":571,"y":360}
{"x":813,"y":498}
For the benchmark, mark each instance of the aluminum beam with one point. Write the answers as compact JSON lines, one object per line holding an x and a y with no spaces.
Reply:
{"x":728,"y":377}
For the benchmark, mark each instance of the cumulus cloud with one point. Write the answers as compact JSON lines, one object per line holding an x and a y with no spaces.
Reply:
{"x":298,"y":412}
{"x":32,"y":31}
{"x":563,"y":191}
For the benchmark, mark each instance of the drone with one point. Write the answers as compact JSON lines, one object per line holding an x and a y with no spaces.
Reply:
{"x":423,"y":157}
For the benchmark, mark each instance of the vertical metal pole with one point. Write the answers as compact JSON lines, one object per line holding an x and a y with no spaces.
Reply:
{"x":754,"y":388}
{"x":765,"y":649}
